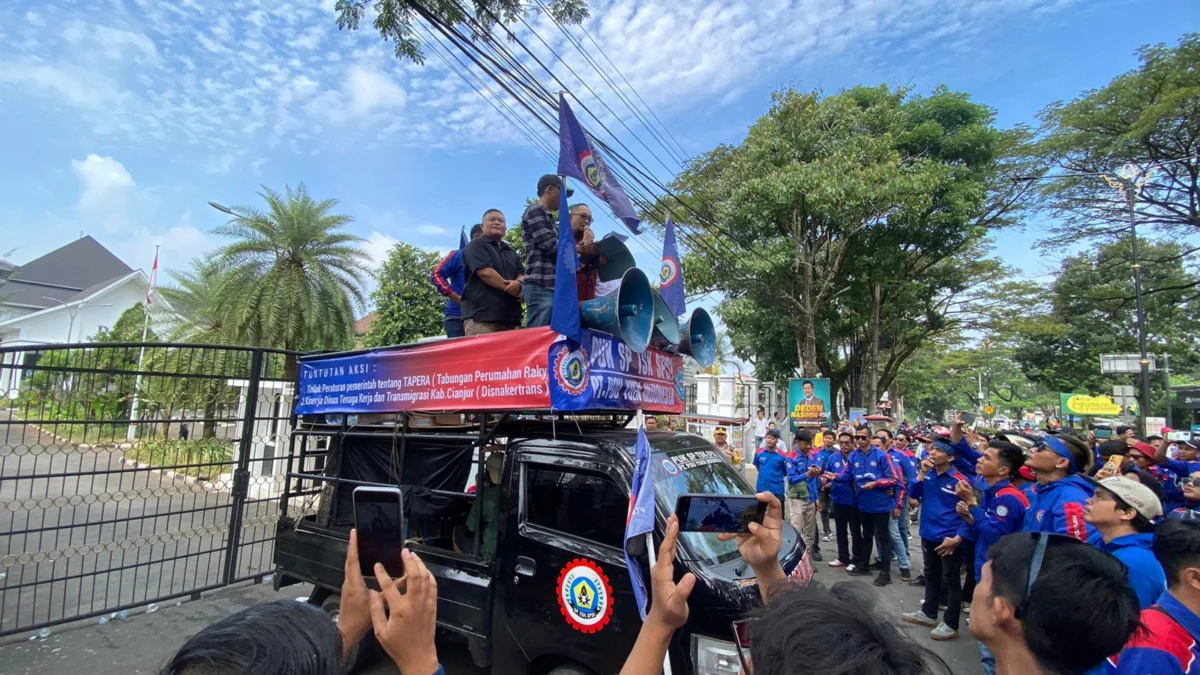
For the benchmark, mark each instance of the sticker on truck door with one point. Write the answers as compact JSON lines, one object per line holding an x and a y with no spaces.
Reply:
{"x":584,"y":596}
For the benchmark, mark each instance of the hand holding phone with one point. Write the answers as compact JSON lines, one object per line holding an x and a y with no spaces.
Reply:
{"x":381,"y":529}
{"x":718,"y":513}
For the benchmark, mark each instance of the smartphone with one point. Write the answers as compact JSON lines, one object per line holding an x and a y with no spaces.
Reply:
{"x":382,"y":529}
{"x":1102,"y":433}
{"x":967,"y":418}
{"x":718,"y":513}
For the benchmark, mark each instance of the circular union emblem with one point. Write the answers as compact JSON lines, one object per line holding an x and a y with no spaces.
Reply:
{"x":571,"y":370}
{"x":591,"y":170}
{"x":1002,"y":511}
{"x":1039,"y":515}
{"x":679,"y":389}
{"x":670,"y":467}
{"x":584,"y":596}
{"x":669,"y":272}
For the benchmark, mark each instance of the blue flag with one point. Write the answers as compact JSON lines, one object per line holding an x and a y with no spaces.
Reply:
{"x":671,"y":277}
{"x":462,"y":238}
{"x":640,"y":520}
{"x":577,"y":159}
{"x":564,"y":318}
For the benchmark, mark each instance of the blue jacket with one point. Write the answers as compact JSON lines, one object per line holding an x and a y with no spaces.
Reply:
{"x":841,"y":483}
{"x":1145,"y":573}
{"x":965,"y":457}
{"x":1001,"y":511}
{"x":874,"y":466}
{"x":1189,"y":511}
{"x":798,"y":464}
{"x":1170,"y":485}
{"x":1058,"y":507}
{"x":450,"y":275}
{"x":1170,"y":644}
{"x":908,"y":468}
{"x":772,"y":467}
{"x":1182,"y":468}
{"x":939,"y":519}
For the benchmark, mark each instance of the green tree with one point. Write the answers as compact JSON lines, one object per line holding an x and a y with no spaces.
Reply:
{"x":847,"y":230}
{"x":1147,"y":116}
{"x":198,"y":308}
{"x":394,"y":18}
{"x":407,"y":306}
{"x":292,"y":275}
{"x":128,"y":327}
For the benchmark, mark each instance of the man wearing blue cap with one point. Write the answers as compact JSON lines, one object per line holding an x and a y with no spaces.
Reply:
{"x":935,"y":487}
{"x":1060,"y":464}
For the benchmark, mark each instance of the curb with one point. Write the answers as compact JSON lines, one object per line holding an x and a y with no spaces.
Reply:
{"x":207,"y":484}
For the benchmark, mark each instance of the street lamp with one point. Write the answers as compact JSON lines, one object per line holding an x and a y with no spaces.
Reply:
{"x":74,"y":312}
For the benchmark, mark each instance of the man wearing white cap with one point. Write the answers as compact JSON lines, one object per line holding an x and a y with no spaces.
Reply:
{"x":1122,"y":511}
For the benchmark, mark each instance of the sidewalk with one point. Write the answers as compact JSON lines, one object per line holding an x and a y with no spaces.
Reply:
{"x":141,"y":644}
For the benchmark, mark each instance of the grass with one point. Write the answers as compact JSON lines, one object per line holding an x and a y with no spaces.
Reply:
{"x":168,"y":454}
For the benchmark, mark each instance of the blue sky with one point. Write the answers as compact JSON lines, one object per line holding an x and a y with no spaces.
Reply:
{"x":122,"y":119}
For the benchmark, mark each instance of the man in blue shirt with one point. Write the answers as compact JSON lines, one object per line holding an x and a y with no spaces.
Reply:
{"x":1121,"y":510}
{"x":1185,"y":463}
{"x":1062,"y":488}
{"x":1169,"y":642}
{"x":898,"y":522}
{"x":935,"y":486}
{"x":771,"y":462}
{"x":838,"y":479}
{"x":877,"y":478}
{"x":449,"y":278}
{"x":804,"y":483}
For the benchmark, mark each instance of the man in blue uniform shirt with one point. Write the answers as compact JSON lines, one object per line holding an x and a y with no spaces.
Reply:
{"x":1122,"y":511}
{"x":838,"y":479}
{"x":1062,"y":489}
{"x":877,"y":478}
{"x":771,"y":462}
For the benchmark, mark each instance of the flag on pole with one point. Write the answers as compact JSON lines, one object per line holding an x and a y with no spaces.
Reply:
{"x":640,"y":520}
{"x":462,"y":238}
{"x":579,"y":160}
{"x":671,"y":278}
{"x":564,"y":318}
{"x":153,"y":275}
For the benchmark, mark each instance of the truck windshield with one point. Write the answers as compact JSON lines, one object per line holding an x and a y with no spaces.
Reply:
{"x":697,"y":469}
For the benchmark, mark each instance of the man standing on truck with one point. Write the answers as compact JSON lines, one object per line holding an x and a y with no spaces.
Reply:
{"x":449,"y":278}
{"x":540,"y":236}
{"x":491,"y":300}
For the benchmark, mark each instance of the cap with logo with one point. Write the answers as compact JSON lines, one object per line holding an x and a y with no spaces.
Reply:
{"x":720,"y":430}
{"x":1136,"y":495}
{"x":548,"y":180}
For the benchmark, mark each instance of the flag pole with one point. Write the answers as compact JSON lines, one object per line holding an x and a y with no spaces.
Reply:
{"x":653,"y":553}
{"x":130,"y":432}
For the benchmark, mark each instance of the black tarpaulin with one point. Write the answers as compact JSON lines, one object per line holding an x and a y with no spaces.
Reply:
{"x":426,"y":468}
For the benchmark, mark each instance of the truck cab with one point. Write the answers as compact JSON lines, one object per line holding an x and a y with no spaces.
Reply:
{"x":531,"y":571}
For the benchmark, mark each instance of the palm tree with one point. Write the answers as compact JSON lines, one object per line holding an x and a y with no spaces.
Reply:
{"x":725,"y":356}
{"x":292,"y":276}
{"x":195,"y":312}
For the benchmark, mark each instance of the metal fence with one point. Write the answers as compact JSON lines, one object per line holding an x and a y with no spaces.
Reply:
{"x":134,"y":474}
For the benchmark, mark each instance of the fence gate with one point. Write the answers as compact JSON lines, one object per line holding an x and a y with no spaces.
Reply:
{"x":133,"y":474}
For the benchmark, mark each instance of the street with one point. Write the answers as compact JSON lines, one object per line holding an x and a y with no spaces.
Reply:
{"x":81,"y":530}
{"x":142,"y":643}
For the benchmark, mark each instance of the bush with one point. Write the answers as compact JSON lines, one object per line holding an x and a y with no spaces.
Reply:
{"x":215,"y":455}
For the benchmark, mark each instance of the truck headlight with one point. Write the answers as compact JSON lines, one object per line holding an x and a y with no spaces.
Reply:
{"x":714,"y":657}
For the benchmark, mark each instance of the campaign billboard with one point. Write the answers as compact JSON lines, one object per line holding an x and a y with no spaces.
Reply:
{"x":808,"y":402}
{"x":531,"y":369}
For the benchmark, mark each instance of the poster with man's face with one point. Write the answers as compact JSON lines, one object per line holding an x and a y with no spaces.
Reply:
{"x":808,"y":401}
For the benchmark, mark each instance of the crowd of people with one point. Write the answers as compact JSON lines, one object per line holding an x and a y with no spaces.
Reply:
{"x":1043,"y":492}
{"x":489,"y":287}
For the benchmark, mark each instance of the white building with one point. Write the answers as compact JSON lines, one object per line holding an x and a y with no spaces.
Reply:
{"x":71,"y":294}
{"x":736,"y":395}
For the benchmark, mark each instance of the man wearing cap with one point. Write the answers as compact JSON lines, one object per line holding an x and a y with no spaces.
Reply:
{"x":540,"y":236}
{"x":935,"y":486}
{"x":1143,"y":455}
{"x":838,"y":479}
{"x":731,"y":454}
{"x":1121,"y":510}
{"x":824,"y":506}
{"x":771,"y":462}
{"x":876,"y":477}
{"x":1184,"y":463}
{"x":1061,"y":489}
{"x":803,"y":484}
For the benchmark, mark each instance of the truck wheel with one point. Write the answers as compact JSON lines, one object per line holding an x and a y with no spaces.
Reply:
{"x":359,"y":654}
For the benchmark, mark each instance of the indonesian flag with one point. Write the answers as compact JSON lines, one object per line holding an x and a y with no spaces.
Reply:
{"x":153,"y":274}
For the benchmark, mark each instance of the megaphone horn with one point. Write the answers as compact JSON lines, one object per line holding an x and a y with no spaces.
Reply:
{"x":666,"y":326}
{"x":627,"y":313}
{"x":699,"y":339}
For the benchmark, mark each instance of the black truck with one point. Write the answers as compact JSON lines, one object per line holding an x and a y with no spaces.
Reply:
{"x":521,"y":518}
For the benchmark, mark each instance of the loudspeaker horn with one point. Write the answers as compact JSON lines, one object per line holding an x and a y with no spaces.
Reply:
{"x":666,"y":326}
{"x":627,"y":313}
{"x":699,"y":339}
{"x":617,"y":258}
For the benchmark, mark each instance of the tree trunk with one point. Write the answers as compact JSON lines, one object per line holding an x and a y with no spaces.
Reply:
{"x":210,"y":412}
{"x":873,"y":390}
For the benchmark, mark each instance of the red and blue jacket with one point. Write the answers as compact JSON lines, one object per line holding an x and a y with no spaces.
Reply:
{"x":1058,"y":507}
{"x":875,"y":466}
{"x":1170,"y":485}
{"x":798,"y":464}
{"x":1182,"y":468}
{"x":939,"y":519}
{"x":450,"y":275}
{"x":906,"y":462}
{"x":1167,"y":645}
{"x":1000,"y":511}
{"x":1189,"y":511}
{"x":841,"y":482}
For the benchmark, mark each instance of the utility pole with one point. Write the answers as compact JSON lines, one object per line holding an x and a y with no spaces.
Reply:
{"x":1167,"y":386}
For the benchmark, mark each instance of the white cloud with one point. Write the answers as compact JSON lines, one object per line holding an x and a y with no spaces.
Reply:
{"x":105,"y":182}
{"x":431,"y":230}
{"x":377,"y":246}
{"x":109,"y":43}
{"x":370,"y":90}
{"x":221,"y":164}
{"x":35,"y":19}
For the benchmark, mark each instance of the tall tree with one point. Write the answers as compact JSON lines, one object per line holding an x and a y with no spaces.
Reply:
{"x":292,"y":276}
{"x":394,"y":18}
{"x":407,"y":306}
{"x":1149,"y":116}
{"x":846,"y":229}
